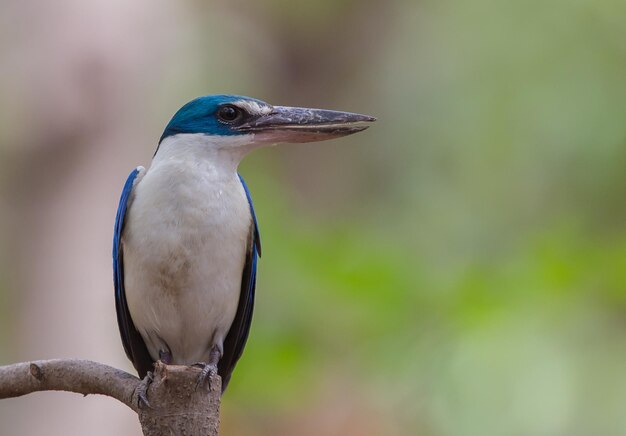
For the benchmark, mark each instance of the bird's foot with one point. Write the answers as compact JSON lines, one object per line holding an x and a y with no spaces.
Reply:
{"x":209,"y":370}
{"x":142,"y":390}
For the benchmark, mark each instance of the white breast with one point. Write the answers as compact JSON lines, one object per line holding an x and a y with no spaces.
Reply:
{"x":184,"y":243}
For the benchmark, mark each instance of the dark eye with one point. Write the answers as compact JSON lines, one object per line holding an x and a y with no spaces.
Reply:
{"x":228,"y":113}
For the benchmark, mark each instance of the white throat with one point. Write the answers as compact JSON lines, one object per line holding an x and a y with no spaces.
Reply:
{"x":221,"y":152}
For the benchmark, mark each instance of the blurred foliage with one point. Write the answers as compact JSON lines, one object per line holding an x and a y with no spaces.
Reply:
{"x":459,"y":268}
{"x":476,"y":284}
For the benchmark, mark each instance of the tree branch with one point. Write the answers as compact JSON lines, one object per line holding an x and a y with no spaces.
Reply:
{"x":177,"y":405}
{"x":72,"y":375}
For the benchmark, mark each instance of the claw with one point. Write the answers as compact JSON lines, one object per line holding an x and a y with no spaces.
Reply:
{"x":209,"y":371}
{"x":142,"y":391}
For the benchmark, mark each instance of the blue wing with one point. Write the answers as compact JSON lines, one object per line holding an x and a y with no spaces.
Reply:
{"x":238,"y":334}
{"x":134,"y":344}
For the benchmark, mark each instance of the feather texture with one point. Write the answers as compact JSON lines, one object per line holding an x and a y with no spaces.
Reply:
{"x":137,"y":339}
{"x":134,"y":345}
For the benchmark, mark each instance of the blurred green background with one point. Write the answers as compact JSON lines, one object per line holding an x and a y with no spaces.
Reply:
{"x":458,"y":269}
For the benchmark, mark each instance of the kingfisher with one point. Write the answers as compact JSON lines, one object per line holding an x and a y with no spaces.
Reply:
{"x":186,"y":239}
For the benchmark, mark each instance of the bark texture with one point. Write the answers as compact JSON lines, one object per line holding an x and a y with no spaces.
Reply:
{"x":177,"y":404}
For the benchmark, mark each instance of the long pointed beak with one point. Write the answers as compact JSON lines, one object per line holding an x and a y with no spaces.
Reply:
{"x":295,"y":124}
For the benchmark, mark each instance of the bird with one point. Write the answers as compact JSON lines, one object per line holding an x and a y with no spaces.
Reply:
{"x":186,"y":240}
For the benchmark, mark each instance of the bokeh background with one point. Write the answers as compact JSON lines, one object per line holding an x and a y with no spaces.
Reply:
{"x":458,"y":269}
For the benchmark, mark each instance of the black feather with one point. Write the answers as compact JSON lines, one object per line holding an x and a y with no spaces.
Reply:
{"x":134,"y":345}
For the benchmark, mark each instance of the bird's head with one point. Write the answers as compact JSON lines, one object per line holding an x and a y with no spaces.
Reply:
{"x":235,"y":122}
